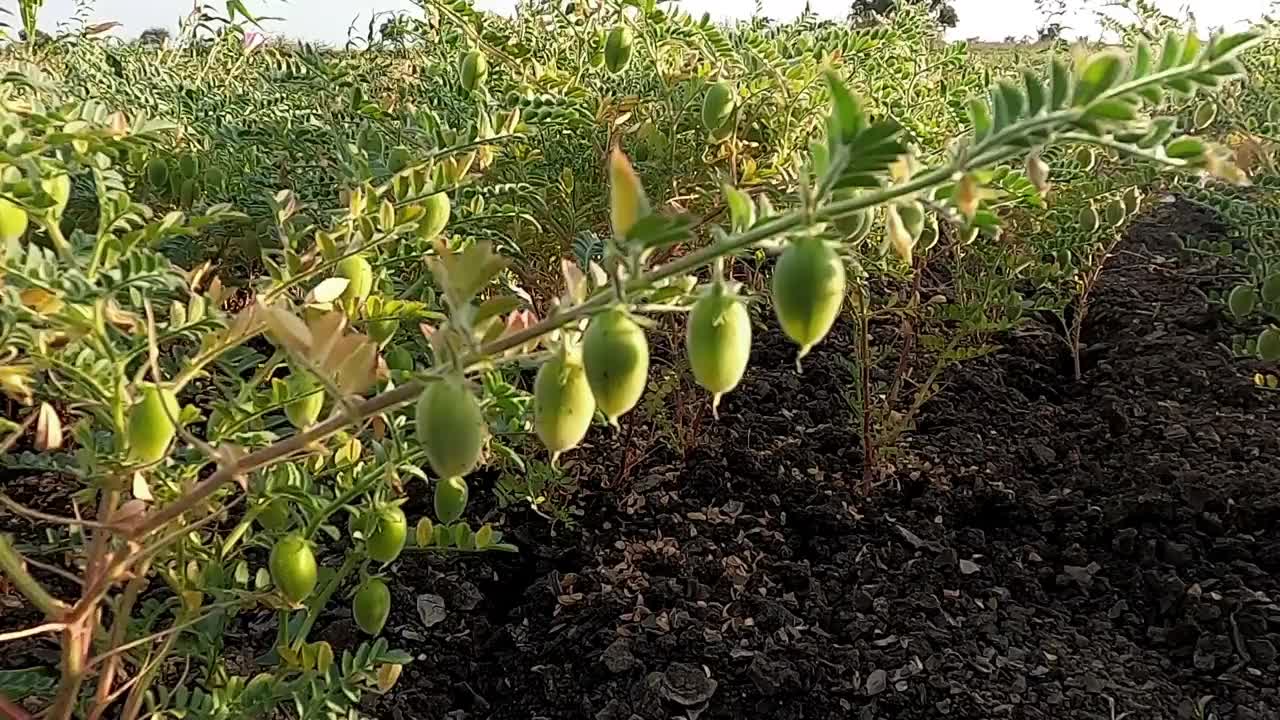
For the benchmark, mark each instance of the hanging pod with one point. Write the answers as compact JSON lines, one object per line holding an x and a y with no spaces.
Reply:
{"x":563,"y":404}
{"x":615,"y":354}
{"x":718,"y":341}
{"x":451,"y":427}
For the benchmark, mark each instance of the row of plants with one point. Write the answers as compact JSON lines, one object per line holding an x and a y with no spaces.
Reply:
{"x":240,"y":450}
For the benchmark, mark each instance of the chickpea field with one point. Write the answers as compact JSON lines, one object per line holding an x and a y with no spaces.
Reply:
{"x":602,"y":361}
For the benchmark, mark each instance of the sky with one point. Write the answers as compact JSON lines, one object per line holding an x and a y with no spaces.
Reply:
{"x":328,"y":20}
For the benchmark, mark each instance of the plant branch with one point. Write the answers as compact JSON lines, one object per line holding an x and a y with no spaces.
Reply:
{"x":31,"y":631}
{"x":11,"y":564}
{"x":20,"y":509}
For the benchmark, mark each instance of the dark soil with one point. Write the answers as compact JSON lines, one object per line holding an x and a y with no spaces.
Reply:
{"x":1042,"y":548}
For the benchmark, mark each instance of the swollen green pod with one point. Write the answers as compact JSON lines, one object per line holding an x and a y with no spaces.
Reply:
{"x":808,"y":290}
{"x":717,"y":105}
{"x":150,"y":430}
{"x":473,"y":69}
{"x":1088,"y":219}
{"x":371,"y":606}
{"x":1204,"y":115}
{"x":450,"y":499}
{"x":436,"y":211}
{"x":562,"y":404}
{"x":615,"y":354}
{"x":718,"y":342}
{"x":387,"y":534}
{"x":617,"y":49}
{"x":293,"y":567}
{"x":913,"y":217}
{"x":399,"y":358}
{"x":451,"y":427}
{"x":158,"y":173}
{"x":359,"y":273}
{"x":856,"y":225}
{"x":1115,"y":213}
{"x":305,"y":410}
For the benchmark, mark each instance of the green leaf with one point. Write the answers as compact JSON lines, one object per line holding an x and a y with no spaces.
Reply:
{"x":1172,"y":51}
{"x":980,"y":117}
{"x":1060,"y":76}
{"x":742,"y":212}
{"x":34,"y":682}
{"x":1226,"y":69}
{"x":655,"y":231}
{"x":847,"y":117}
{"x":464,"y":275}
{"x":1152,"y":94}
{"x":396,"y":657}
{"x":1014,"y":102}
{"x":496,"y":306}
{"x":1114,"y":109}
{"x":870,"y":155}
{"x":1191,"y":48}
{"x":1101,"y":73}
{"x":999,"y":111}
{"x":1185,"y":148}
{"x":1035,"y":92}
{"x":1161,"y":130}
{"x":1228,"y":46}
{"x":1142,"y":61}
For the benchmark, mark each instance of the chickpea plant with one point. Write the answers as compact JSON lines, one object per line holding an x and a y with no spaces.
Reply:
{"x":184,"y":418}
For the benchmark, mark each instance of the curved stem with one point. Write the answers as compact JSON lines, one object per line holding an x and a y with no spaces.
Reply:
{"x":11,"y":564}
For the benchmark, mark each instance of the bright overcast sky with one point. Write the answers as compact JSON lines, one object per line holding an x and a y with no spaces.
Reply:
{"x":328,"y":20}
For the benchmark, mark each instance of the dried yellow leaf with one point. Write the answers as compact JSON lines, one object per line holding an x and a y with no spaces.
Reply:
{"x":287,"y":330}
{"x":388,"y":674}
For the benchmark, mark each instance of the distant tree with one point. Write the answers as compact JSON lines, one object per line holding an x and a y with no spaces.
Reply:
{"x":154,"y":36}
{"x":1052,"y":25}
{"x":1050,"y":32}
{"x":863,"y":10}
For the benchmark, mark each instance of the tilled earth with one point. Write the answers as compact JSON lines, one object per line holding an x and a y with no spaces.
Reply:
{"x":1042,"y":548}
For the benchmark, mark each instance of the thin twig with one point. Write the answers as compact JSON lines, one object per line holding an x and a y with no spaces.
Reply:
{"x":12,"y":440}
{"x":12,"y":564}
{"x":162,"y":633}
{"x":28,"y":632}
{"x":55,"y":570}
{"x":21,"y":509}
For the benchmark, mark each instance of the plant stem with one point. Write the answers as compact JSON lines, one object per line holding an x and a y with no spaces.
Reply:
{"x":345,"y":497}
{"x":318,"y":603}
{"x":119,"y":627}
{"x":75,"y":650}
{"x":133,"y":705}
{"x":864,"y":379}
{"x":11,"y":564}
